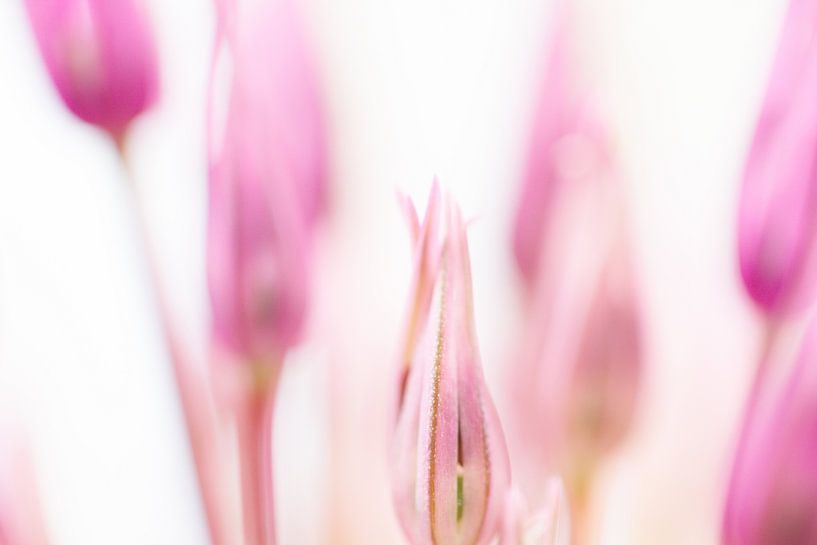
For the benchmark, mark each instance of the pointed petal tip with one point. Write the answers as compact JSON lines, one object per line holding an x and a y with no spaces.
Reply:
{"x":409,"y":215}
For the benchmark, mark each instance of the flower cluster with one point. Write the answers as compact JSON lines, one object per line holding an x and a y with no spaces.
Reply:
{"x":576,"y":370}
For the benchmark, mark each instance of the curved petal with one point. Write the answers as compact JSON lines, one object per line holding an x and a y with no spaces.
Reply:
{"x":101,"y":57}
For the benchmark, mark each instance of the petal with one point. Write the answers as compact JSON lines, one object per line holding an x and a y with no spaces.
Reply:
{"x":100,"y":55}
{"x":483,"y":454}
{"x":778,"y":202}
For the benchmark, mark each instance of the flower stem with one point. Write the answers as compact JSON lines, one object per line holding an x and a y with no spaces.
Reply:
{"x":581,"y":483}
{"x":197,"y":407}
{"x":254,"y":429}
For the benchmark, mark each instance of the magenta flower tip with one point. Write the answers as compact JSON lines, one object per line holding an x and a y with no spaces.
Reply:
{"x":100,"y":55}
{"x":778,"y":201}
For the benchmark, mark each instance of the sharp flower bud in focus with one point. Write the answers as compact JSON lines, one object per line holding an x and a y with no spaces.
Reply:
{"x":426,"y":257}
{"x":777,"y":229}
{"x":100,"y":55}
{"x":450,"y":461}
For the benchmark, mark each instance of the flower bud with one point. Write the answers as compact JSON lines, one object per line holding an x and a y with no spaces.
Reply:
{"x":604,"y":381}
{"x":778,"y":200}
{"x":577,"y":377}
{"x":274,"y":69}
{"x":265,"y":169}
{"x":773,"y":493}
{"x":562,"y":117}
{"x":451,"y":464}
{"x":101,"y":57}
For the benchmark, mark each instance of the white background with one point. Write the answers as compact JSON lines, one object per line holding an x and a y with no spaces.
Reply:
{"x":413,"y":89}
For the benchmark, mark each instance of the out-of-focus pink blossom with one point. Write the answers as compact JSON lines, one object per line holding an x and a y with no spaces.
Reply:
{"x":451,"y":467}
{"x":273,"y":61}
{"x":562,"y":116}
{"x":579,"y":371}
{"x":267,"y":181}
{"x":604,"y":381}
{"x":773,"y":493}
{"x":777,"y":220}
{"x":101,"y":57}
{"x":267,"y":167}
{"x":549,"y":525}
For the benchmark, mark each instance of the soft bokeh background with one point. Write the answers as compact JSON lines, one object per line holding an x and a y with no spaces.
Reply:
{"x":414,"y":89}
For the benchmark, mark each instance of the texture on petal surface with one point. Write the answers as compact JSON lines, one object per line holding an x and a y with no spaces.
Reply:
{"x":451,"y":466}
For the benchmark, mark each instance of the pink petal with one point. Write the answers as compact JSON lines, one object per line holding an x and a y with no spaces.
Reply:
{"x":773,"y":492}
{"x":100,"y":55}
{"x":267,"y":179}
{"x":451,"y":469}
{"x":778,"y":203}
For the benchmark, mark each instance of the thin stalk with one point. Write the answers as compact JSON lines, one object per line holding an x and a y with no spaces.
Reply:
{"x":191,"y":385}
{"x":581,"y":481}
{"x":254,"y":430}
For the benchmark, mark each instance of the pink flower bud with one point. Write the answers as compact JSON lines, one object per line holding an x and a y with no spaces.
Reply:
{"x":578,"y":373}
{"x":101,"y":57}
{"x":605,"y":379}
{"x":562,"y":117}
{"x":773,"y":493}
{"x":778,"y":202}
{"x":265,"y":173}
{"x":451,"y":464}
{"x":274,"y":65}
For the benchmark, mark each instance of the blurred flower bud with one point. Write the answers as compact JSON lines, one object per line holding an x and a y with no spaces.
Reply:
{"x":266,"y":184}
{"x":773,"y":492}
{"x":450,"y":461}
{"x":273,"y":67}
{"x":101,"y":57}
{"x":778,"y":201}
{"x":562,"y":118}
{"x":577,"y":376}
{"x":550,"y":525}
{"x":603,"y":384}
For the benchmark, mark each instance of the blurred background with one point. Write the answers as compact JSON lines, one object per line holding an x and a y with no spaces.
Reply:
{"x":413,"y":90}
